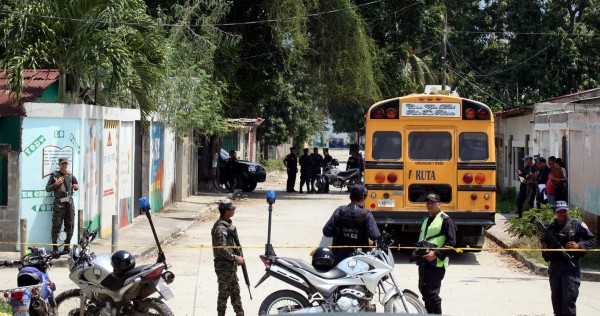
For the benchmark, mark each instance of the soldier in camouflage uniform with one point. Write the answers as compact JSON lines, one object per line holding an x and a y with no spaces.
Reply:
{"x":227,"y":259}
{"x":62,"y":183}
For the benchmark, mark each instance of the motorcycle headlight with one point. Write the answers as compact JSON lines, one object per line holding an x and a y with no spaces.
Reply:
{"x":251,"y":168}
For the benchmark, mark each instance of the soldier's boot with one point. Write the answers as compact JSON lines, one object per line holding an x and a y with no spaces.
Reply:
{"x":221,"y":313}
{"x":239,"y":314}
{"x":67,"y":246}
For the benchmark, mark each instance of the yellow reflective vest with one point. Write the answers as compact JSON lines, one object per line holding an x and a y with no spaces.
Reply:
{"x":434,"y":235}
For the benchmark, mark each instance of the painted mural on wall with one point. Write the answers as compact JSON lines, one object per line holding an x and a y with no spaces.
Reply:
{"x":125,"y":173}
{"x":157,"y":166}
{"x":169,"y":164}
{"x":44,"y":141}
{"x":110,"y":144}
{"x":91,"y":173}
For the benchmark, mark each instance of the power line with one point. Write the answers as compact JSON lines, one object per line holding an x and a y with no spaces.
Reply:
{"x":521,"y":33}
{"x":474,"y":85}
{"x":185,"y":25}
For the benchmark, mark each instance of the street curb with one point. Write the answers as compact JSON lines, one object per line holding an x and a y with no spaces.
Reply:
{"x":539,"y":269}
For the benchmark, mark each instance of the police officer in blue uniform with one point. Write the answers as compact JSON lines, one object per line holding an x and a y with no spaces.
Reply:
{"x":565,"y":273}
{"x":351,"y":225}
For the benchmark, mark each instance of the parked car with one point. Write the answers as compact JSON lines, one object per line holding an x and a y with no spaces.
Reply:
{"x":246,"y":173}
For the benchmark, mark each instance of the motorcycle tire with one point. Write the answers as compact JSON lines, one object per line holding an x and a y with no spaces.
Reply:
{"x":290,"y":301}
{"x":153,"y":306}
{"x":67,"y":302}
{"x":320,"y":184}
{"x":395,"y":306}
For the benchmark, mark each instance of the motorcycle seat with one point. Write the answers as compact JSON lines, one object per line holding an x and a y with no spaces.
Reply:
{"x":114,"y":283}
{"x":28,"y":279}
{"x":347,"y":173}
{"x":333,"y":273}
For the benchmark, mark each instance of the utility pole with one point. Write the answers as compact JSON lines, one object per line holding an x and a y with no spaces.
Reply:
{"x":444,"y":64}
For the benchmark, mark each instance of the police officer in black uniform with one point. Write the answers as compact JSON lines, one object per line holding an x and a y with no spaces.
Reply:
{"x":306,"y":169}
{"x":565,"y":273}
{"x":351,"y":225}
{"x":327,"y":159}
{"x":291,"y":165}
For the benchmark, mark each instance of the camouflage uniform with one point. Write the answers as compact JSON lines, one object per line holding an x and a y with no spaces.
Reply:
{"x":62,"y":211}
{"x":226,"y":266}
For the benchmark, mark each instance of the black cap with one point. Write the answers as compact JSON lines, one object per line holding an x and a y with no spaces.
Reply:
{"x":358,"y":191}
{"x":292,"y":148}
{"x":433,"y":197}
{"x":540,"y":159}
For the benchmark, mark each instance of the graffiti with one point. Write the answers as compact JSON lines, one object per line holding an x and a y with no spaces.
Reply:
{"x":50,"y":155}
{"x":29,"y":194}
{"x":34,"y":145}
{"x":43,"y":208}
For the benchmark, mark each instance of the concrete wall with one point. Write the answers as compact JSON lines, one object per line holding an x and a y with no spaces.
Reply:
{"x":90,"y":137}
{"x":514,"y":140}
{"x":569,"y":131}
{"x":9,"y":214}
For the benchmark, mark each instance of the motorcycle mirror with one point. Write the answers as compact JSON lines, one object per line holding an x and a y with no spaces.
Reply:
{"x":271,"y":196}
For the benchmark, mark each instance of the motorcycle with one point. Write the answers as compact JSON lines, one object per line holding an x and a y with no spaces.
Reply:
{"x":336,"y":177}
{"x":348,"y":287}
{"x":34,"y":294}
{"x":108,"y":288}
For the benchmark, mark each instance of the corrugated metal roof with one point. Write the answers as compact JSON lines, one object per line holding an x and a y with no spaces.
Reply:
{"x":577,"y":97}
{"x":34,"y":84}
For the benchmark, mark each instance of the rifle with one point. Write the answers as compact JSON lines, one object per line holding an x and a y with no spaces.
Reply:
{"x":239,"y":252}
{"x":553,"y":242}
{"x":424,"y":248}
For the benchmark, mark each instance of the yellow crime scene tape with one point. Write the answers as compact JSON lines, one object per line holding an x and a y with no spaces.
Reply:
{"x":458,"y":250}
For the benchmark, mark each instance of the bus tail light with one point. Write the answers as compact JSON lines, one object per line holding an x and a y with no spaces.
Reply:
{"x":470,"y":113}
{"x":372,"y":205}
{"x":380,"y":177}
{"x":487,"y":207}
{"x":390,"y":113}
{"x":378,"y":114}
{"x":392,"y":177}
{"x":480,"y":178}
{"x":468,"y":178}
{"x":482,"y":114}
{"x":473,"y":196}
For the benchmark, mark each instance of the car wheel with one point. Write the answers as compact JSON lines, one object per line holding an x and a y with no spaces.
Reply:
{"x":250,"y":186}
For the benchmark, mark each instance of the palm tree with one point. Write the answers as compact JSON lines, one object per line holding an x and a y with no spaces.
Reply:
{"x":84,"y":38}
{"x":416,"y":69}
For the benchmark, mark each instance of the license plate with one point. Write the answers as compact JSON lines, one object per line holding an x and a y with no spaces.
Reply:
{"x":386,"y":203}
{"x":164,"y":290}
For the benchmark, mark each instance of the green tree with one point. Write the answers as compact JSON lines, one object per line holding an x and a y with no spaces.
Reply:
{"x":84,"y":39}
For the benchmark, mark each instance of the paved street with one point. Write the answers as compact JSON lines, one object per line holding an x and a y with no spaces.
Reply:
{"x":487,"y":283}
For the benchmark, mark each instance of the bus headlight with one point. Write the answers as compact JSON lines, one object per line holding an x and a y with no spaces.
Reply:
{"x":487,"y":196}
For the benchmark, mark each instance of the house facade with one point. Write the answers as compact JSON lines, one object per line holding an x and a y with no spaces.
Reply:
{"x":566,"y":127}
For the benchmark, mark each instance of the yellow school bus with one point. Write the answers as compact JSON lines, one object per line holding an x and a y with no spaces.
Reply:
{"x":423,"y":143}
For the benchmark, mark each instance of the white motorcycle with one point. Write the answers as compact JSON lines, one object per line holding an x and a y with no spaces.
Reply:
{"x":112,"y":285}
{"x":337,"y":178}
{"x":348,"y":287}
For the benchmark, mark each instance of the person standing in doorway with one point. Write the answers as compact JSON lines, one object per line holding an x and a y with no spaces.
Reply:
{"x":291,"y":166}
{"x":62,"y":183}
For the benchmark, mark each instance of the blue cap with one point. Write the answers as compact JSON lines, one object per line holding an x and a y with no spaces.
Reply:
{"x":561,"y":205}
{"x":144,"y":203}
{"x":527,"y":158}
